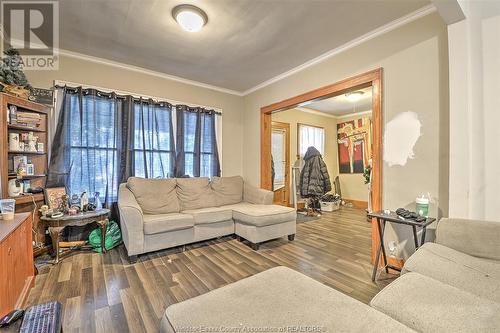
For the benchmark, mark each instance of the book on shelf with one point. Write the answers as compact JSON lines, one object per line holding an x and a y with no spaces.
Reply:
{"x":28,"y":114}
{"x":21,"y":118}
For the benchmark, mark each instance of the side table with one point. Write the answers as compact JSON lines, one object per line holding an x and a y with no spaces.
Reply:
{"x":392,"y":217}
{"x":57,"y":225}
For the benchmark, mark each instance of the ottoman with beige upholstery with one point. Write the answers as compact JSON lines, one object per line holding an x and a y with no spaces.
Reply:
{"x":276,"y":300}
{"x":260,"y":223}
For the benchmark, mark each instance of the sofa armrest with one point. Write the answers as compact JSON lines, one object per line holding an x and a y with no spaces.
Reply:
{"x":256,"y":195}
{"x":131,"y":221}
{"x":474,"y":237}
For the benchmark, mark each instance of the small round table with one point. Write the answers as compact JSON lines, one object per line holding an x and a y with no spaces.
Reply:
{"x":56,"y":226}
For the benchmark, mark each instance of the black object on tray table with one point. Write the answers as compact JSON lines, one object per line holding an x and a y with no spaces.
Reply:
{"x":412,"y":220}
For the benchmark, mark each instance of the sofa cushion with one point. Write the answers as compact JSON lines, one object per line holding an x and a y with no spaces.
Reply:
{"x":263,"y":215}
{"x":478,"y":276}
{"x":155,"y":196}
{"x":428,"y":305}
{"x":274,"y":299}
{"x":210,"y":215}
{"x":228,"y":190}
{"x":155,"y":224}
{"x":195,"y":193}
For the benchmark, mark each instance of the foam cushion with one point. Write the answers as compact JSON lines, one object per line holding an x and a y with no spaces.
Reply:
{"x":263,"y":215}
{"x":228,"y":190}
{"x":155,"y":224}
{"x":155,"y":196}
{"x":428,"y":305}
{"x":210,"y":215}
{"x":277,"y":298}
{"x":475,"y":275}
{"x":195,"y":193}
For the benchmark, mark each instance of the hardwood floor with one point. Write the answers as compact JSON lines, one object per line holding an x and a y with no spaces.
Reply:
{"x":103,"y":293}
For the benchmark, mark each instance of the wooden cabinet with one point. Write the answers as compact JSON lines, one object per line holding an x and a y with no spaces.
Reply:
{"x":38,"y":158}
{"x":16,"y":262}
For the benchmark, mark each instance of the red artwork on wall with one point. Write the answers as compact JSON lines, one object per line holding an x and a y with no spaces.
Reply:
{"x":354,"y":143}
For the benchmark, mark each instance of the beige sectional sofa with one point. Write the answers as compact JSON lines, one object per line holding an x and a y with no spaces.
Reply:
{"x":161,"y":213}
{"x":452,"y":285}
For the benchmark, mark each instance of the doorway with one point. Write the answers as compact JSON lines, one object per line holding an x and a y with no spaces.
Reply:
{"x":280,"y":159}
{"x":371,"y":79}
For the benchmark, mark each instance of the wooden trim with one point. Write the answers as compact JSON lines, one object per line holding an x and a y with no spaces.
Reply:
{"x":286,"y":128}
{"x":358,"y":203}
{"x":372,"y":78}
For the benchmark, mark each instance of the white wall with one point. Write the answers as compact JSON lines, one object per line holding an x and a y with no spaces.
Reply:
{"x":474,"y":57}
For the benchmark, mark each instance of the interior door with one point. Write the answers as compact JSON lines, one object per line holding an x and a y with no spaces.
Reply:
{"x":280,"y":151}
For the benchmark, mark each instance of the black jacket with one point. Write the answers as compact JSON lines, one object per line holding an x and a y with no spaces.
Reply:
{"x":314,"y":178}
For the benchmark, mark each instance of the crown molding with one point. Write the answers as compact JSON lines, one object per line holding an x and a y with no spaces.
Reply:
{"x":141,"y":70}
{"x":318,"y":113}
{"x":355,"y":114}
{"x":324,"y":114}
{"x":424,"y":11}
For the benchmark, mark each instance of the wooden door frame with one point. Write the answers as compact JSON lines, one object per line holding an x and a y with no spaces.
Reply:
{"x":372,"y":78}
{"x":286,"y":128}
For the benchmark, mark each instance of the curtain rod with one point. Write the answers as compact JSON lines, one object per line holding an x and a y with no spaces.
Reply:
{"x":62,"y":83}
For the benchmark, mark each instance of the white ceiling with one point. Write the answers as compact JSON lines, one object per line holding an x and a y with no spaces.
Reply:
{"x":340,"y":105}
{"x":245,"y":42}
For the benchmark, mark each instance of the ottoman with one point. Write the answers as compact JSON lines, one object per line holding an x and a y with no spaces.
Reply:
{"x":276,"y":300}
{"x":260,"y":223}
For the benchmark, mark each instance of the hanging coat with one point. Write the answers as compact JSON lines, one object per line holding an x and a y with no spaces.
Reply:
{"x":314,"y":178}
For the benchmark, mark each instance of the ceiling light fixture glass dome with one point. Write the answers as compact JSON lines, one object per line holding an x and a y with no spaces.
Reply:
{"x":354,"y":96}
{"x":189,"y":17}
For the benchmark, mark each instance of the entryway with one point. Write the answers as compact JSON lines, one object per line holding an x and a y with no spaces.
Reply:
{"x":362,"y":139}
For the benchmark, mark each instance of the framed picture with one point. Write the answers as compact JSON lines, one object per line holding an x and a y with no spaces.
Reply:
{"x":53,"y":197}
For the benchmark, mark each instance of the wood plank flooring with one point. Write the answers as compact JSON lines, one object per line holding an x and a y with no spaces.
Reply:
{"x":103,"y":293}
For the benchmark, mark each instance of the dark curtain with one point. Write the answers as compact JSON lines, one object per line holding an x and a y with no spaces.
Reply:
{"x":196,"y":145}
{"x":102,"y":139}
{"x":88,"y":143}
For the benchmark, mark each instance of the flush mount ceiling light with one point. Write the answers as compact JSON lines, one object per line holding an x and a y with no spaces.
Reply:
{"x":189,"y":17}
{"x":354,"y":96}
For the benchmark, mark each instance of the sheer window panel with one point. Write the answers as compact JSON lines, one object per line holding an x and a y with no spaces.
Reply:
{"x":311,"y":136}
{"x":278,"y":153}
{"x":153,"y":140}
{"x":197,"y":154}
{"x":93,"y":152}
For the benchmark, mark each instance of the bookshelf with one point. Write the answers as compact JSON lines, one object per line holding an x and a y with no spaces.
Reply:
{"x":29,"y":120}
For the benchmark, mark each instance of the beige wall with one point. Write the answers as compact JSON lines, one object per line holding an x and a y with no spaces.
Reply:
{"x":293,"y":117}
{"x":106,"y":76}
{"x":415,"y":62}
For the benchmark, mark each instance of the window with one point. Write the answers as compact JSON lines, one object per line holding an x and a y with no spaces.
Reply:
{"x":103,"y":138}
{"x":196,"y":143}
{"x":278,"y":151}
{"x":92,"y":141}
{"x":154,"y":152}
{"x":310,"y":136}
